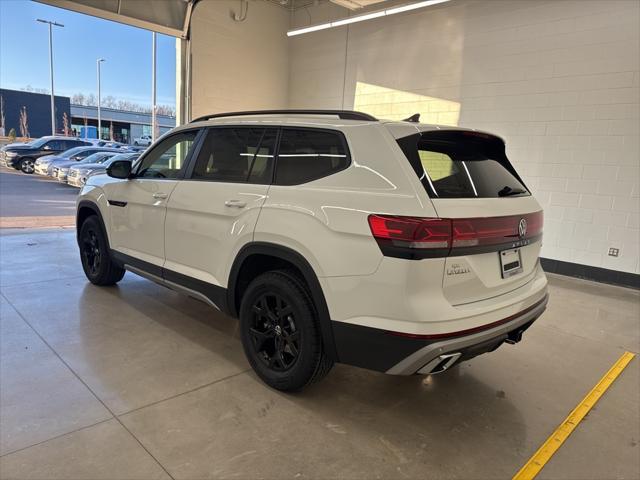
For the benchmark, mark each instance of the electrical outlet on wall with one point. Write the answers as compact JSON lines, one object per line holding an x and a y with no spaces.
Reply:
{"x":614,"y":252}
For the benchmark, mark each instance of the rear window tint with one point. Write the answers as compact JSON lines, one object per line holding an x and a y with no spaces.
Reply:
{"x":461,"y":165}
{"x":307,"y":155}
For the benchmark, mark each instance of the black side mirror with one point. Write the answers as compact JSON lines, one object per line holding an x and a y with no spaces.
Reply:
{"x":119,"y":169}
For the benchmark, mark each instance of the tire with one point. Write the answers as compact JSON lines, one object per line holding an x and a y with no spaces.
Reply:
{"x":97,"y":263}
{"x":27,"y":165}
{"x":284,"y":349}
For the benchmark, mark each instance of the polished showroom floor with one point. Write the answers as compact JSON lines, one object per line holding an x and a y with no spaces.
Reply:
{"x":138,"y":382}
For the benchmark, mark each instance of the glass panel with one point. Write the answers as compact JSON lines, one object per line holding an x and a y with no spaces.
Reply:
{"x":167,"y":159}
{"x":236,"y":155}
{"x":307,"y":155}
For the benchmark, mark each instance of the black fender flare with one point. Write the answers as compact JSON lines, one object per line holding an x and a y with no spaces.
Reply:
{"x":301,"y":263}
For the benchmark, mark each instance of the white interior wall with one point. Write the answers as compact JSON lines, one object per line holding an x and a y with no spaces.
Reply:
{"x":559,"y":80}
{"x":238,"y":65}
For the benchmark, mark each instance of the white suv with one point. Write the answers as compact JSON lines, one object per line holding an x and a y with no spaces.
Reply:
{"x":334,"y":237}
{"x":144,"y":140}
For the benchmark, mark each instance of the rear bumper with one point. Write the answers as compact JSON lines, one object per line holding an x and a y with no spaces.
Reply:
{"x":401,"y":354}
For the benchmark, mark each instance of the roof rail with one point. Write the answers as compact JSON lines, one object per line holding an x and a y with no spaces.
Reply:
{"x":342,"y":114}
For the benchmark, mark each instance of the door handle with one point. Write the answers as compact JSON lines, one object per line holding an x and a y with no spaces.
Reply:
{"x":160,"y":195}
{"x":235,"y":203}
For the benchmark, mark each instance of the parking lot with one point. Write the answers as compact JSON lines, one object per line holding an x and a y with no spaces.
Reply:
{"x":32,"y":200}
{"x":136,"y":381}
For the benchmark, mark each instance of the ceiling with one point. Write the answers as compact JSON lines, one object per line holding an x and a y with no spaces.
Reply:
{"x":165,"y":16}
{"x":356,"y":4}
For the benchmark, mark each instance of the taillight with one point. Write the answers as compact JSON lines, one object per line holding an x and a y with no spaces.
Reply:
{"x":414,"y":237}
{"x":407,"y":235}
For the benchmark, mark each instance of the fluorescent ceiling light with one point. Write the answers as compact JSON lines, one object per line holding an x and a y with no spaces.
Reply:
{"x":366,"y":16}
{"x":315,"y":28}
{"x":413,"y":6}
{"x":358,"y":18}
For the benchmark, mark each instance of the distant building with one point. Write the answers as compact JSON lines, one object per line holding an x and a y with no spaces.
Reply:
{"x":125,"y":126}
{"x":38,"y":110}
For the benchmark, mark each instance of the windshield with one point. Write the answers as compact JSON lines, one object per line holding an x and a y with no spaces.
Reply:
{"x":71,"y":152}
{"x":461,"y":164}
{"x":38,"y":143}
{"x":97,"y":157}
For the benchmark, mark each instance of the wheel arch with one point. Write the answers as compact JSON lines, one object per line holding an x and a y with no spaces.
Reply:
{"x":272,"y":256}
{"x":86,"y":209}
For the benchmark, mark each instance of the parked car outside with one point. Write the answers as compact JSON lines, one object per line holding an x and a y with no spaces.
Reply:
{"x":144,"y":140}
{"x":41,"y":166}
{"x":61,"y":169}
{"x":23,"y":157}
{"x":51,"y":166}
{"x":400,"y":247}
{"x":78,"y":174}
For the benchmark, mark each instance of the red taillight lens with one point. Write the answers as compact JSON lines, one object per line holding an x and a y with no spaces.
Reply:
{"x":414,"y":237}
{"x":411,"y":231}
{"x":478,"y":232}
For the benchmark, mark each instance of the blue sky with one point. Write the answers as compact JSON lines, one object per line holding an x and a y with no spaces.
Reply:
{"x":126,"y":74}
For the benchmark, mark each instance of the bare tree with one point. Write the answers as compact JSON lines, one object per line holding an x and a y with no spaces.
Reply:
{"x":31,"y":89}
{"x":65,"y":124}
{"x":120,"y":104}
{"x":24,"y":122}
{"x":2,"y":119}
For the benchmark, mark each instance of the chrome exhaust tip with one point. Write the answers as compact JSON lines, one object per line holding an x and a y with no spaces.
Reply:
{"x":440,"y":364}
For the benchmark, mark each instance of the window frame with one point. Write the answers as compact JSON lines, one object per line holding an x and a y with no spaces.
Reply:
{"x":196,"y":153}
{"x":339,"y":133}
{"x":187,"y":160}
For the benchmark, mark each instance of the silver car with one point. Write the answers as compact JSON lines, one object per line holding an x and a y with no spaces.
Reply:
{"x":61,"y":169}
{"x":78,"y":174}
{"x":44,"y":165}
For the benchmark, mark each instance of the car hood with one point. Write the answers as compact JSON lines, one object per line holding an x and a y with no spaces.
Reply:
{"x":49,"y":158}
{"x":17,"y":147}
{"x":63,"y":163}
{"x":88,"y":166}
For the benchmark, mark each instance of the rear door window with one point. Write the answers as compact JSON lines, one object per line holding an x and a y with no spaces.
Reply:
{"x":55,"y":145}
{"x":237,"y":154}
{"x":309,"y":154}
{"x":459,"y":164}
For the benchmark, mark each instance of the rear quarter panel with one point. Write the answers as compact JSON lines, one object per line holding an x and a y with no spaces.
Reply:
{"x":326,"y":220}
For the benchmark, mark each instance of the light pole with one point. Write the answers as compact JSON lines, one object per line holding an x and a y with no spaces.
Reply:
{"x":98,"y":62}
{"x":53,"y":111}
{"x":154,"y":118}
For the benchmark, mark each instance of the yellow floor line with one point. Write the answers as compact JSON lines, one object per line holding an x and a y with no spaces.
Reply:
{"x":555,"y":441}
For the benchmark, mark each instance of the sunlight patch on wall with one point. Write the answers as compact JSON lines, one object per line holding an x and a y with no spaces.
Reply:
{"x":387,"y":103}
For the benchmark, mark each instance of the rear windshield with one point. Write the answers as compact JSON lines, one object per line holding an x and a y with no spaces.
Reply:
{"x":458,"y":164}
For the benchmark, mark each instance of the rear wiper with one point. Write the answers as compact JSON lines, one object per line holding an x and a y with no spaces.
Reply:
{"x":507,"y":191}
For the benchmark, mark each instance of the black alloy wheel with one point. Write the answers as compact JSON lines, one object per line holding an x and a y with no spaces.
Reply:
{"x":90,"y":251}
{"x":280,"y":331}
{"x":275,"y":338}
{"x":96,"y":260}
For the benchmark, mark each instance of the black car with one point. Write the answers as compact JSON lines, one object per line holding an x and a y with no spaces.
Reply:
{"x":23,"y":156}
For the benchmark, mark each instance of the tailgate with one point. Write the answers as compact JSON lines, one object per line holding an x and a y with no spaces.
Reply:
{"x":496,"y":224}
{"x":470,"y":276}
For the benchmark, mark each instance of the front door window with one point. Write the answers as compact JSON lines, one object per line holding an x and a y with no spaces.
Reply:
{"x":167,"y":159}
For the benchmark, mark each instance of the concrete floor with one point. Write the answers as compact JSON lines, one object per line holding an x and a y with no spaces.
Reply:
{"x":136,"y":381}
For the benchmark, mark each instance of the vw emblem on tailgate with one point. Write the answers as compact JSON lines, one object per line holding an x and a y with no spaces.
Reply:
{"x":522,"y":228}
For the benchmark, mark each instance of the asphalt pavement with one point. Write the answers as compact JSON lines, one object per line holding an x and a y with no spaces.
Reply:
{"x":33,"y":200}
